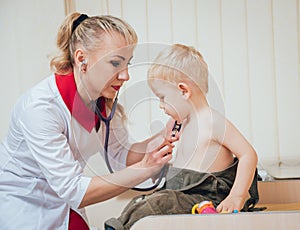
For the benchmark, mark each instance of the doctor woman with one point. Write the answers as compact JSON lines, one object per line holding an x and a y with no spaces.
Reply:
{"x":54,"y":130}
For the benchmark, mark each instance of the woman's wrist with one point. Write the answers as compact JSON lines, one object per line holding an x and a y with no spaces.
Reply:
{"x":140,"y":169}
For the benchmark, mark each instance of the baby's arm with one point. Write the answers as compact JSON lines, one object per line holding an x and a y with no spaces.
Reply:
{"x":241,"y":148}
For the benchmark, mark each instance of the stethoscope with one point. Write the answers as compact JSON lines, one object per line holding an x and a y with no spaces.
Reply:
{"x":176,"y":128}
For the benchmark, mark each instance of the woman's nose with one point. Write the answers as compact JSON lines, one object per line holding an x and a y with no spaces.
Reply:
{"x":123,"y":75}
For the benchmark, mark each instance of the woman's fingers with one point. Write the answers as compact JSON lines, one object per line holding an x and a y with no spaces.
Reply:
{"x":159,"y":157}
{"x":164,"y":150}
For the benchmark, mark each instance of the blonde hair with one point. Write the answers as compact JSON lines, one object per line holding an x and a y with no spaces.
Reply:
{"x":89,"y":33}
{"x":179,"y":62}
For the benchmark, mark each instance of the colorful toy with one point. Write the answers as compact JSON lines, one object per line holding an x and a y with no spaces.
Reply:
{"x":204,"y":207}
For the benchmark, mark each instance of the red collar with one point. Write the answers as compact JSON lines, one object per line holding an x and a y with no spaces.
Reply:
{"x":68,"y":91}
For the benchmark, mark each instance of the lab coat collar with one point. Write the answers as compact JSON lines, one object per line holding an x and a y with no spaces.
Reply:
{"x":67,"y":88}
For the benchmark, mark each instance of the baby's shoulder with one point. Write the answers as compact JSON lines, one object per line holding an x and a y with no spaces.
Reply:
{"x":210,"y":117}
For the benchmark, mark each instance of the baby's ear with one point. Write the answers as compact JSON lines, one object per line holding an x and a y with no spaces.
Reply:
{"x":184,"y":89}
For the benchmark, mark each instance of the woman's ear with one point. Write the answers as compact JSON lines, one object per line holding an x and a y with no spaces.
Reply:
{"x":185,"y":89}
{"x":80,"y":59}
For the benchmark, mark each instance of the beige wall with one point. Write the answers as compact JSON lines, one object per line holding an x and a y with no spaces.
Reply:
{"x":252,"y":48}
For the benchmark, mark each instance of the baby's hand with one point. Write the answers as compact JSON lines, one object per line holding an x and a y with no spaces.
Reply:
{"x":231,"y":204}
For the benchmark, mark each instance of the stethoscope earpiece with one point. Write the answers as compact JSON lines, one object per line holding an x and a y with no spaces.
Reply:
{"x":83,"y":65}
{"x":84,"y":62}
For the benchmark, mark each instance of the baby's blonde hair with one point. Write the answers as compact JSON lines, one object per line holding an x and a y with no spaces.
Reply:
{"x":180,"y":62}
{"x":89,"y":33}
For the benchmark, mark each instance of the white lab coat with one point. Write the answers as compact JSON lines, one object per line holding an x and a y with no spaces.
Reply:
{"x":42,"y":160}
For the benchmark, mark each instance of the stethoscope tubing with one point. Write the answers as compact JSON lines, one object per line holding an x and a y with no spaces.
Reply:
{"x":106,"y":121}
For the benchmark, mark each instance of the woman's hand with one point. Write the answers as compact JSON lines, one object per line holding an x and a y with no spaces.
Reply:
{"x":231,"y":203}
{"x":144,"y":161}
{"x":138,"y":150}
{"x":158,"y":153}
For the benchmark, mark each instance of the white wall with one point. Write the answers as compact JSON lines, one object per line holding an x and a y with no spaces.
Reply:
{"x":28,"y":33}
{"x":252,"y":48}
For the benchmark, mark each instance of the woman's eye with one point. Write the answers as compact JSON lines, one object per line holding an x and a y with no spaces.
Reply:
{"x":115,"y":63}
